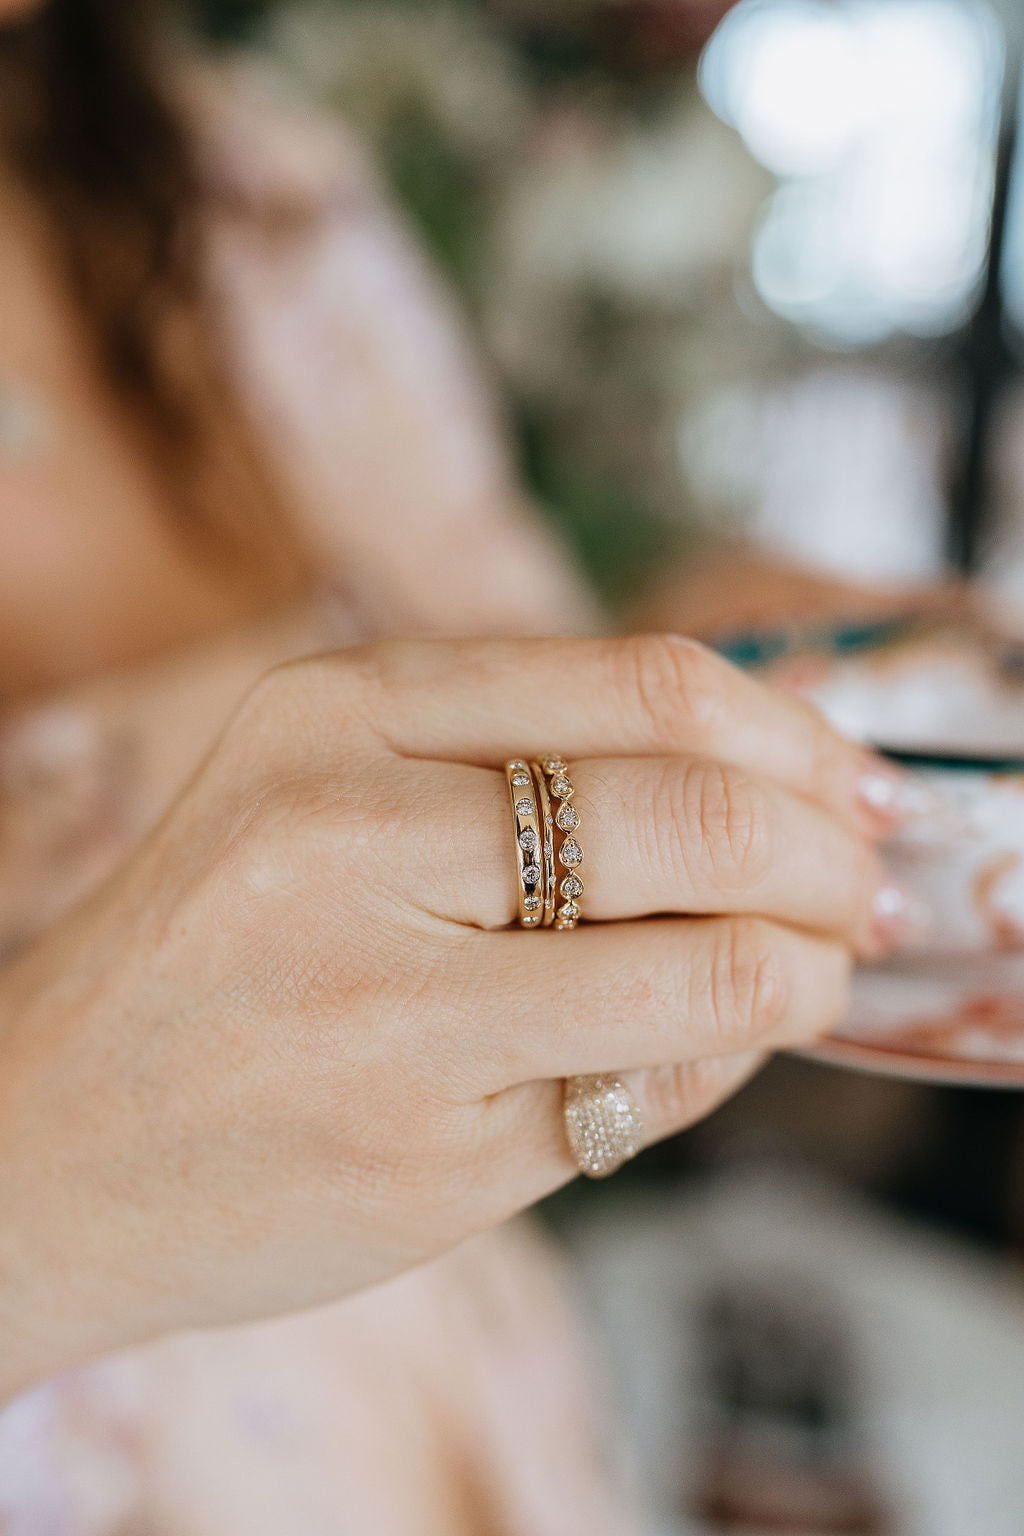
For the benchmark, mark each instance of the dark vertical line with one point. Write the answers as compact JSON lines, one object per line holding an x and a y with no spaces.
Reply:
{"x":984,"y":358}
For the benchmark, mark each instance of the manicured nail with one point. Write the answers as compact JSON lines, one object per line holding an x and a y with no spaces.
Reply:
{"x":900,"y":921}
{"x":896,"y":795}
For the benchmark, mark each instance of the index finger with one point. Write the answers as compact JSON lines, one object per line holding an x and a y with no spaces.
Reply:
{"x":481,"y":701}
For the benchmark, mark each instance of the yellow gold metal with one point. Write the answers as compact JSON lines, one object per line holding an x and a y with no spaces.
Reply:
{"x":568,"y":851}
{"x":529,"y":842}
{"x":547,"y":822}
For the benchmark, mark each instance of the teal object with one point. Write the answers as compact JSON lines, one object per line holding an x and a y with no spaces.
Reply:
{"x":759,"y":647}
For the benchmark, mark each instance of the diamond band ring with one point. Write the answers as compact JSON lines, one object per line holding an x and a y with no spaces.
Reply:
{"x":602,"y":1124}
{"x":569,"y":853}
{"x":526,"y":828}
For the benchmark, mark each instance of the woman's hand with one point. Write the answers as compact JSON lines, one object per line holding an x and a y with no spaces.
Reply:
{"x":87,"y":772}
{"x":294,"y":1046}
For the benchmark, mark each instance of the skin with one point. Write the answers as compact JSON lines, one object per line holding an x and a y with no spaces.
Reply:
{"x":86,"y":772}
{"x":292,"y":1048}
{"x":289,"y":1046}
{"x":93,"y":573}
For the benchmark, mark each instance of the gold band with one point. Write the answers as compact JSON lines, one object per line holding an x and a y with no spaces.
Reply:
{"x":602,"y":1123}
{"x":547,"y":822}
{"x":569,"y":852}
{"x":528,"y":842}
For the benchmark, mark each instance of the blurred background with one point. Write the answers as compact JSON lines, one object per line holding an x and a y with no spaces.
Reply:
{"x":697,"y":237}
{"x":753,"y":271}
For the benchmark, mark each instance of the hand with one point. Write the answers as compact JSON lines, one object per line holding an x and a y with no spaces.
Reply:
{"x":294,"y":1047}
{"x":733,"y":589}
{"x":85,"y":774}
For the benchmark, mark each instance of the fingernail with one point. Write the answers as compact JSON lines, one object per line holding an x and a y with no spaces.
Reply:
{"x":899,"y":920}
{"x":897,"y":796}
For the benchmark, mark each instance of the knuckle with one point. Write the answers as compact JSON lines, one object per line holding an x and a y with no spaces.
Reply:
{"x":387,"y":670}
{"x":724,"y":817}
{"x":675,"y":683}
{"x":750,"y":982}
{"x":259,"y":873}
{"x":297,"y":701}
{"x":259,"y":705}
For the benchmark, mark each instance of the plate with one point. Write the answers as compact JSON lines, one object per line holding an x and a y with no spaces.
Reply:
{"x":954,"y":1019}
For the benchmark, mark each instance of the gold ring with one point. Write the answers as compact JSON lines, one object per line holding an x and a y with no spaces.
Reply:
{"x":547,"y":821}
{"x":602,"y":1123}
{"x":569,"y":852}
{"x":528,"y":842}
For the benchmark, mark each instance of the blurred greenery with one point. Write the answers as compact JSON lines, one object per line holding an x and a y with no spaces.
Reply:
{"x":440,"y":190}
{"x":231,"y":21}
{"x":618,"y":539}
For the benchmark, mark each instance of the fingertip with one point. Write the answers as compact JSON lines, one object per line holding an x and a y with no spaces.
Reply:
{"x":888,"y":797}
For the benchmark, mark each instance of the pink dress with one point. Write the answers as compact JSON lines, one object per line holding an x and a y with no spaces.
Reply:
{"x":453,"y":1399}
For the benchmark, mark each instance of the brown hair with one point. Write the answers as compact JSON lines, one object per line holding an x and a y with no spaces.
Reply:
{"x":103,"y":148}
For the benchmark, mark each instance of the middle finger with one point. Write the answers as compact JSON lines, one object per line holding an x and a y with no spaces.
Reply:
{"x":682,"y":836}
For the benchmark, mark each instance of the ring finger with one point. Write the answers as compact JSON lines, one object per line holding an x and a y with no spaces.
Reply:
{"x":634,"y":995}
{"x":522,"y":1134}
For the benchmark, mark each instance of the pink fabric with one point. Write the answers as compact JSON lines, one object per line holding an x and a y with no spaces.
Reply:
{"x":448,"y":1401}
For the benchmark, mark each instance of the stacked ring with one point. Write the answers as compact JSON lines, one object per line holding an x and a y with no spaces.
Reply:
{"x":570,"y":854}
{"x":528,"y":842}
{"x":547,"y":842}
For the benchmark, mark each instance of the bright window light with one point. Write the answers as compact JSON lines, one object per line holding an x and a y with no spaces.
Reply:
{"x":879,"y":119}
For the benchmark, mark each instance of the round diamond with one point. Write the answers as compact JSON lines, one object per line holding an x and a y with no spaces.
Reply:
{"x":531,"y":874}
{"x":570,"y":853}
{"x":528,"y":840}
{"x":569,"y":912}
{"x":561,"y":788}
{"x":571,"y":887}
{"x":531,"y":903}
{"x":568,"y":818}
{"x":520,"y":780}
{"x":553,"y":764}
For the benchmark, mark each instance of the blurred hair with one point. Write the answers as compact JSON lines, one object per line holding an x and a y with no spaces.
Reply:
{"x":97,"y":138}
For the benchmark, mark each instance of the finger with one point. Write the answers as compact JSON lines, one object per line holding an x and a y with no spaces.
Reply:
{"x":485,"y":701}
{"x":672,"y":1098}
{"x":522,"y":1137}
{"x":632,"y":995}
{"x":676,"y":835}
